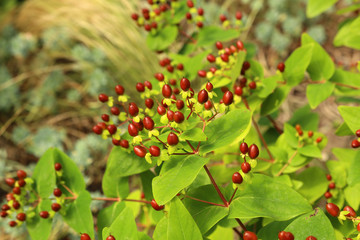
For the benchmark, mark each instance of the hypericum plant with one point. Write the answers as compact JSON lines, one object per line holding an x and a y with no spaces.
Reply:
{"x":199,"y":165}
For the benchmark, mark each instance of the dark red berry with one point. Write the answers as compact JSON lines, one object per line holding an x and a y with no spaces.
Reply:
{"x":116,"y":142}
{"x":110,"y":237}
{"x":327,"y":195}
{"x":288,"y":236}
{"x":147,"y":27}
{"x":213,"y":70}
{"x":3,"y":214}
{"x":133,"y":109}
{"x":170,"y":68}
{"x":156,"y":206}
{"x":119,"y":89}
{"x":203,"y":96}
{"x":192,"y":93}
{"x":188,"y":16}
{"x":200,"y":24}
{"x":185,"y":84}
{"x":311,"y":238}
{"x":10,"y":181}
{"x":85,"y":236}
{"x":351,"y":211}
{"x":240,"y":45}
{"x":115,"y":111}
{"x":161,"y":110}
{"x":355,"y":144}
{"x":112,"y":129}
{"x":154,"y":25}
{"x":357,"y":133}
{"x":180,"y":66}
{"x":328,"y":176}
{"x":281,"y":235}
{"x":149,"y":103}
{"x":252,"y":85}
{"x":222,"y":18}
{"x":140,"y":87}
{"x":224,"y":57}
{"x":21,"y":217}
{"x":159,"y":76}
{"x":135,"y":16}
{"x":249,"y":236}
{"x":12,"y":223}
{"x":105,"y":117}
{"x":140,"y":151}
{"x":253,"y":151}
{"x":139,"y":125}
{"x":179,"y":104}
{"x":96,"y":129}
{"x":310,"y":134}
{"x":44,"y":214}
{"x":132,"y":129}
{"x":190,"y":3}
{"x":281,"y":67}
{"x":358,"y":227}
{"x":332,"y":185}
{"x":238,"y":15}
{"x":227,"y":51}
{"x":238,"y":90}
{"x":172,"y":82}
{"x":245,"y":167}
{"x":244,"y":148}
{"x":21,"y":174}
{"x":154,"y":151}
{"x":178,"y":117}
{"x":233,"y":49}
{"x":5,"y":207}
{"x":200,"y":11}
{"x":166,"y":91}
{"x":21,"y":182}
{"x":245,"y":66}
{"x":170,"y":115}
{"x":172,"y":139}
{"x":55,"y":207}
{"x":228,"y":98}
{"x":148,"y":85}
{"x":10,"y":196}
{"x":57,"y":192}
{"x":148,"y":123}
{"x":202,"y":73}
{"x":17,"y":190}
{"x":16,"y":205}
{"x":102,"y":125}
{"x":103,"y":97}
{"x":332,"y":209}
{"x":211,"y":58}
{"x":237,"y":178}
{"x":209,"y":86}
{"x":219,"y":45}
{"x":124,"y":143}
{"x":208,"y":105}
{"x":243,"y":82}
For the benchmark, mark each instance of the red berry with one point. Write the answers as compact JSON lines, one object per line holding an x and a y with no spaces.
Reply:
{"x":154,"y":25}
{"x":110,"y":237}
{"x":243,"y":82}
{"x":319,"y":139}
{"x":156,"y":206}
{"x":332,"y":185}
{"x":200,"y":24}
{"x":16,"y":205}
{"x":133,"y":109}
{"x":159,"y":76}
{"x":5,"y":207}
{"x":351,"y":211}
{"x":185,"y":84}
{"x":228,"y":98}
{"x":311,"y":238}
{"x":147,"y":27}
{"x":219,"y":45}
{"x":190,"y":3}
{"x":170,"y":115}
{"x":132,"y":129}
{"x":222,"y":18}
{"x":253,"y":151}
{"x":244,"y":148}
{"x":17,"y":190}
{"x":10,"y":181}
{"x":85,"y":236}
{"x":105,"y":117}
{"x":21,"y":174}
{"x":149,"y":103}
{"x":357,"y":133}
{"x":154,"y":151}
{"x":139,"y":125}
{"x":161,"y":110}
{"x":288,"y":236}
{"x":328,"y":176}
{"x":102,"y":125}
{"x":166,"y":91}
{"x":233,"y":49}
{"x":237,"y":178}
{"x":12,"y":224}
{"x":180,"y":66}
{"x":140,"y":87}
{"x":148,"y":123}
{"x":245,"y":66}
{"x":135,"y":16}
{"x":10,"y":196}
{"x":202,"y":73}
{"x":192,"y":93}
{"x":3,"y":214}
{"x":252,"y":85}
{"x":213,"y":70}
{"x":178,"y":117}
{"x":103,"y":97}
{"x":211,"y":58}
{"x":170,"y":68}
{"x":281,"y":67}
{"x":310,"y":134}
{"x":208,"y":105}
{"x":297,"y":127}
{"x":172,"y":139}
{"x":116,"y":142}
{"x":209,"y":86}
{"x":96,"y":129}
{"x":238,"y":90}
{"x":179,"y":104}
{"x":201,"y":11}
{"x":227,"y":51}
{"x":140,"y":151}
{"x":238,"y":15}
{"x":224,"y":57}
{"x":148,"y":84}
{"x":355,"y":144}
{"x":203,"y":96}
{"x":240,"y":45}
{"x":188,"y":16}
{"x":115,"y":111}
{"x":124,"y":143}
{"x":21,"y":182}
{"x":245,"y":167}
{"x":112,"y":129}
{"x":332,"y":209}
{"x":57,"y":192}
{"x":119,"y":89}
{"x":44,"y":214}
{"x":358,"y":227}
{"x":172,"y":82}
{"x":21,"y":217}
{"x":249,"y":236}
{"x":327,"y":195}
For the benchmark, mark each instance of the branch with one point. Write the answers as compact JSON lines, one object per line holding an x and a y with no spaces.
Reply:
{"x":199,"y":200}
{"x":278,"y":129}
{"x":216,"y":186}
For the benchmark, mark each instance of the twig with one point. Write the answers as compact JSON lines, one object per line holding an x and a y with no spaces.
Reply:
{"x":287,"y":164}
{"x":278,"y":129}
{"x":216,"y":186}
{"x":233,"y":195}
{"x":199,"y":200}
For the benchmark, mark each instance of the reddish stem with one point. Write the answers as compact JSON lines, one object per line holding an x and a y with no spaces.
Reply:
{"x":191,"y":146}
{"x":69,"y":190}
{"x":199,"y":200}
{"x":216,"y":186}
{"x":233,"y":195}
{"x":278,"y":129}
{"x":187,"y":36}
{"x":135,"y":200}
{"x":238,"y":233}
{"x":241,"y":224}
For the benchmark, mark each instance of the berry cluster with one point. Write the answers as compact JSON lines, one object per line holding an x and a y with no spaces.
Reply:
{"x":308,"y":139}
{"x":252,"y":152}
{"x":195,"y":14}
{"x":226,"y":23}
{"x":330,"y":187}
{"x":85,"y":236}
{"x":356,"y":143}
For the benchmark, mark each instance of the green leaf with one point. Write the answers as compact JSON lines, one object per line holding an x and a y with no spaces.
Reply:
{"x":44,"y":174}
{"x":124,"y":226}
{"x":314,"y":223}
{"x":176,"y":174}
{"x":40,"y":228}
{"x":271,"y":231}
{"x":230,"y":128}
{"x":222,"y":233}
{"x":296,"y":65}
{"x":181,"y":225}
{"x":316,"y":7}
{"x":236,"y":69}
{"x":314,"y":183}
{"x":162,"y":39}
{"x":343,"y":130}
{"x":107,"y":215}
{"x":269,"y":85}
{"x":121,"y":164}
{"x":310,"y":151}
{"x":346,"y":78}
{"x":317,"y":93}
{"x":351,"y":116}
{"x":114,"y":186}
{"x":290,"y":136}
{"x":349,"y":35}
{"x":161,"y":229}
{"x":352,"y":195}
{"x":351,"y":8}
{"x":338,"y":172}
{"x":307,"y":119}
{"x":204,"y":214}
{"x":321,"y":65}
{"x":274,"y":100}
{"x":194,"y":134}
{"x":354,"y":171}
{"x":211,"y":34}
{"x":146,"y":179}
{"x":78,"y":214}
{"x":265,"y":197}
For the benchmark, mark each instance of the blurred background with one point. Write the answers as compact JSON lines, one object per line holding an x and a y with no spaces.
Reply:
{"x":57,"y":56}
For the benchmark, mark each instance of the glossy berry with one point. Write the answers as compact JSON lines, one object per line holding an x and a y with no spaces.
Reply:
{"x":148,"y":123}
{"x":249,"y":236}
{"x":244,"y":148}
{"x":10,"y":181}
{"x":57,"y":192}
{"x":332,"y":185}
{"x":209,"y":86}
{"x":135,"y":16}
{"x":310,"y":134}
{"x":170,"y":115}
{"x":357,"y":133}
{"x":252,"y":85}
{"x":115,"y":111}
{"x":188,"y":16}
{"x":179,"y":104}
{"x":319,"y":139}
{"x":3,"y":214}
{"x":21,"y":217}
{"x":200,"y":11}
{"x":154,"y":151}
{"x":116,"y":142}
{"x":17,"y":190}
{"x":112,"y":129}
{"x":238,"y":15}
{"x":147,"y":27}
{"x":281,"y":67}
{"x":200,"y":24}
{"x":281,"y":235}
{"x":246,"y":66}
{"x":222,"y":18}
{"x":140,"y":87}
{"x":172,"y":139}
{"x":161,"y":110}
{"x":190,"y":3}
{"x":245,"y":167}
{"x":288,"y":236}
{"x":103,"y":97}
{"x":140,"y":151}
{"x":44,"y":214}
{"x":85,"y":236}
{"x":10,"y":196}
{"x":213,"y":70}
{"x":351,"y":211}
{"x":97,"y":130}
{"x":224,"y":57}
{"x":21,"y":174}
{"x":12,"y":223}
{"x":124,"y":143}
{"x":328,"y":176}
{"x":5,"y":207}
{"x":355,"y":143}
{"x":110,"y":237}
{"x":185,"y":84}
{"x":16,"y":205}
{"x":105,"y":117}
{"x":21,"y":182}
{"x":148,"y":85}
{"x":55,"y":207}
{"x":58,"y":166}
{"x":253,"y":151}
{"x":219,"y":45}
{"x":170,"y":68}
{"x":149,"y":103}
{"x":133,"y":109}
{"x":203,"y":96}
{"x":238,"y":90}
{"x":132,"y":129}
{"x":119,"y":89}
{"x":358,"y":227}
{"x":166,"y":91}
{"x":202,"y":73}
{"x":179,"y":117}
{"x":237,"y":178}
{"x":327,"y":195}
{"x":102,"y":125}
{"x":156,"y":206}
{"x":208,"y":105}
{"x":228,"y":98}
{"x":211,"y":58}
{"x":180,"y":66}
{"x":311,"y":238}
{"x":159,"y":76}
{"x":227,"y":51}
{"x":332,"y":209}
